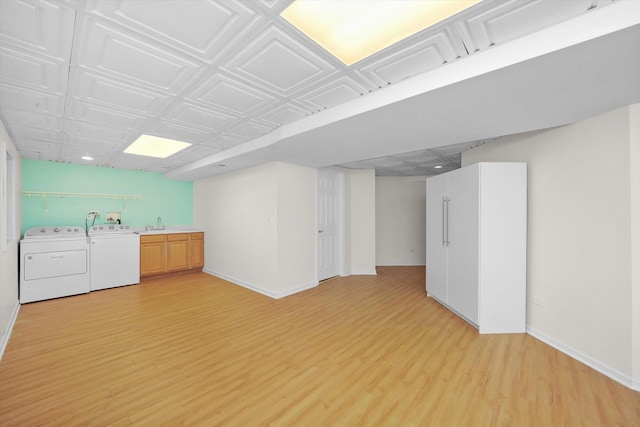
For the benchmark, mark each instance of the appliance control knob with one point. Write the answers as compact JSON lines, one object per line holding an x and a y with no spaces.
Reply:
{"x":69,"y":230}
{"x":75,"y":229}
{"x":56,"y":230}
{"x":42,"y":230}
{"x":100,"y":227}
{"x":127,"y":227}
{"x":111,"y":227}
{"x":94,"y":228}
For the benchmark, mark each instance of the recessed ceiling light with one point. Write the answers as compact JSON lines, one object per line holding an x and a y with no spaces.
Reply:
{"x":154,"y":146}
{"x":437,"y":167}
{"x":351,"y":30}
{"x":86,"y":158}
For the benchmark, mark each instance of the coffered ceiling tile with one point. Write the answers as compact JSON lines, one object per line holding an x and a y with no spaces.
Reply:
{"x":192,"y":115}
{"x":24,"y":118}
{"x":39,"y":26}
{"x":278,"y":62}
{"x":75,"y":127}
{"x":95,"y":144}
{"x":122,"y":55}
{"x":505,"y":21}
{"x":30,"y":100}
{"x":47,"y":149}
{"x":36,"y":134}
{"x":100,"y":90}
{"x":284,"y":114}
{"x":249,"y":130}
{"x":418,"y":58}
{"x":336,"y":92}
{"x":199,"y":28}
{"x":91,"y":113}
{"x":221,"y":92}
{"x":165,"y":129}
{"x":27,"y":69}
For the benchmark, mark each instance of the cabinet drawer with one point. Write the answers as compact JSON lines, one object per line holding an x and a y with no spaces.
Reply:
{"x":177,"y":236}
{"x":197,"y":236}
{"x":153,"y":238}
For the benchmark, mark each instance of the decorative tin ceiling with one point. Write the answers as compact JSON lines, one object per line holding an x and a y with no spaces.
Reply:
{"x":88,"y":77}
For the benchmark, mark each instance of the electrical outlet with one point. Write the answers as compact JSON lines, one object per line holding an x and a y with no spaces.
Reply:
{"x":538,"y":301}
{"x":113,"y":217}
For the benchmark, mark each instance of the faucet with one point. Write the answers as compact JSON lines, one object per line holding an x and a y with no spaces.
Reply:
{"x":159,"y":224}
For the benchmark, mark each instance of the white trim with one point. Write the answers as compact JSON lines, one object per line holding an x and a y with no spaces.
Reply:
{"x":604,"y":369}
{"x":7,"y":332}
{"x":364,"y":273}
{"x":260,"y":290}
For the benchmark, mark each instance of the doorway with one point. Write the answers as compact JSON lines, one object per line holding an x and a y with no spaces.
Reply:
{"x":330,"y":220}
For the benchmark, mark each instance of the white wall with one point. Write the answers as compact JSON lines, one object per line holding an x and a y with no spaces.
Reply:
{"x":9,"y":239}
{"x":579,"y":246}
{"x":400,"y":220}
{"x":297,"y":236}
{"x":634,"y":159}
{"x":260,"y":227}
{"x":361,"y":229}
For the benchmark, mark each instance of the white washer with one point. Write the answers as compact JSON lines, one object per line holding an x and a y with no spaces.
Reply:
{"x":115,"y":256}
{"x":54,"y":262}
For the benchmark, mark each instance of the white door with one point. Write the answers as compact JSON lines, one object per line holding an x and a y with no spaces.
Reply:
{"x":436,"y":263}
{"x":328,"y":223}
{"x":464,"y":231}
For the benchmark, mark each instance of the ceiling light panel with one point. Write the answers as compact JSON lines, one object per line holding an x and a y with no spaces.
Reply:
{"x":153,"y":146}
{"x":352,"y":30}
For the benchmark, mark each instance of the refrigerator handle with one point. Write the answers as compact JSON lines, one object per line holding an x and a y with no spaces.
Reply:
{"x":444,"y":221}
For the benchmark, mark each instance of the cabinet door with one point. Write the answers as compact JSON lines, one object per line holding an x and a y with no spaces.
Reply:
{"x":197,"y":250}
{"x":178,"y":255}
{"x":436,"y":262}
{"x":464,"y":229}
{"x":152,"y":258}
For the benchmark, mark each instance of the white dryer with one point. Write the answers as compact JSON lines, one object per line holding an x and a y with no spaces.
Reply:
{"x":54,"y":262}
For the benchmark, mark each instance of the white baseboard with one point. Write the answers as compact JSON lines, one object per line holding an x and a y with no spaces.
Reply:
{"x":603,"y":368}
{"x":363,"y":273}
{"x":7,"y":333}
{"x":263,"y":291}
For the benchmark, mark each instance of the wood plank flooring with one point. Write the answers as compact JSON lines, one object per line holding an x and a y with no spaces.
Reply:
{"x":362,"y":350}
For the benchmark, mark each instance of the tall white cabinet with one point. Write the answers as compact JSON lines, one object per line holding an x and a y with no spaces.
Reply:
{"x":477,"y":242}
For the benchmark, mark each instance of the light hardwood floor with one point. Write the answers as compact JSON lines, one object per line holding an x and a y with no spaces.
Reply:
{"x":361,"y":350}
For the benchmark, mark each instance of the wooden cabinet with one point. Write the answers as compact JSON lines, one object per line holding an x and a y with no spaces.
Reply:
{"x":476,"y":244}
{"x":197,"y":250}
{"x":167,"y":253}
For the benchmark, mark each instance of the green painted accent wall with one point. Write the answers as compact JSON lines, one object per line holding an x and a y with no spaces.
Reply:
{"x":159,"y":197}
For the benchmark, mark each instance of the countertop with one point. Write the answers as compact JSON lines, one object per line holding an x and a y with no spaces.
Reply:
{"x":169,"y":230}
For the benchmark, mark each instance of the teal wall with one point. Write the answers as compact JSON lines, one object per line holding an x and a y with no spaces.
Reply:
{"x":159,"y":196}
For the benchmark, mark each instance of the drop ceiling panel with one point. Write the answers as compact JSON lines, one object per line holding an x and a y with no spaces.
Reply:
{"x":249,"y":130}
{"x":100,"y":90}
{"x":417,"y":58}
{"x":122,"y":55}
{"x":277,"y":61}
{"x":192,"y":115}
{"x":337,"y":91}
{"x":75,"y":127}
{"x":222,"y":93}
{"x":285,"y":113}
{"x":509,"y":20}
{"x":39,"y":26}
{"x":91,"y":113}
{"x":30,"y":100}
{"x":23,"y":68}
{"x":175,"y":131}
{"x":27,"y":118}
{"x":25,"y":132}
{"x":211,"y":24}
